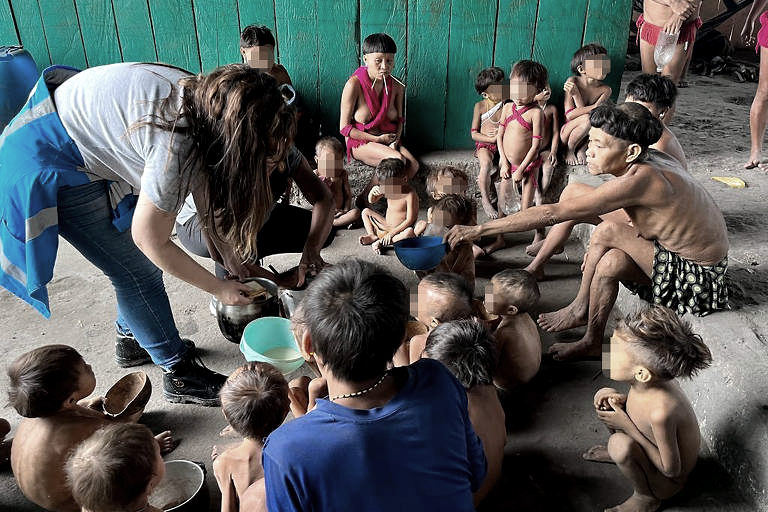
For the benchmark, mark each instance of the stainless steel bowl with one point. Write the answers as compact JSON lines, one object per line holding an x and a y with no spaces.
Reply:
{"x":232,"y":319}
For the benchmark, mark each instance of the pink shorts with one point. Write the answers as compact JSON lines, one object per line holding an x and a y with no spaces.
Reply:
{"x":649,"y":32}
{"x":531,"y":172}
{"x":490,"y":146}
{"x":353,"y":143}
{"x":762,"y":36}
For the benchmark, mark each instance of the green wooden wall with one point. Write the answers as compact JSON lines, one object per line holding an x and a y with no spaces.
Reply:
{"x":442,"y":44}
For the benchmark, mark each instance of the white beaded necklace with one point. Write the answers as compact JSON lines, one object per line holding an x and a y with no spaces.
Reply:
{"x":364,"y":391}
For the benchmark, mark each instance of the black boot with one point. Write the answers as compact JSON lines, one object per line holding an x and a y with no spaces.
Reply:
{"x":190,"y":381}
{"x":129,"y":353}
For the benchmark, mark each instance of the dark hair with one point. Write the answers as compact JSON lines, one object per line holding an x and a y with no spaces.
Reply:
{"x":466,"y":348}
{"x":652,"y":88}
{"x":671,"y":347}
{"x":520,"y":287}
{"x":390,"y":168}
{"x":461,"y":208}
{"x":256,"y":35}
{"x":379,"y":43}
{"x":42,"y":379}
{"x":584,"y":53}
{"x":431,"y":182}
{"x":531,"y":72}
{"x":111,"y":469}
{"x":331,"y":143}
{"x":488,"y":77}
{"x":254,"y":399}
{"x":631,"y":122}
{"x":356,"y":313}
{"x":458,"y":288}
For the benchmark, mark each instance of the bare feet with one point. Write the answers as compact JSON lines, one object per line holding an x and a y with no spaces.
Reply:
{"x":538,"y":273}
{"x":490,"y":211}
{"x":377,"y":247}
{"x":598,"y":453}
{"x":570,"y":157}
{"x":478,"y":252}
{"x":574,"y":350}
{"x":572,"y":315}
{"x":535,"y":247}
{"x":368,"y":239}
{"x":495,"y":246}
{"x":754,"y":161}
{"x":581,"y":156}
{"x":637,"y":503}
{"x":166,"y":441}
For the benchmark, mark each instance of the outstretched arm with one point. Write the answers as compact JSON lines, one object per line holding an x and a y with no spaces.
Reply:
{"x":322,"y":218}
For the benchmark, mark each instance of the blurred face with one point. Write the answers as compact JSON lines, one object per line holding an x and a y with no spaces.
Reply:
{"x":379,"y":64}
{"x":495,"y":302}
{"x":597,"y":67}
{"x":86,"y":381}
{"x":618,"y":359}
{"x":329,"y":164}
{"x":521,"y":92}
{"x":605,"y":153}
{"x":444,"y":219}
{"x":259,"y":57}
{"x":393,"y":185}
{"x":447,"y":183}
{"x":494,"y":93}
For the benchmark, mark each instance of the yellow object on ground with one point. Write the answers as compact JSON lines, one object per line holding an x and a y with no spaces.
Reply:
{"x":731,"y":181}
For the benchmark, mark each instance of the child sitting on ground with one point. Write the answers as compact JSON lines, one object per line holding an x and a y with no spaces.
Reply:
{"x":520,"y":136}
{"x":329,"y":155}
{"x":254,"y":400}
{"x":485,"y":125}
{"x":451,"y":210}
{"x":402,"y":207}
{"x":511,"y":295}
{"x":467,"y":349}
{"x":442,"y":297}
{"x":47,"y":385}
{"x":583,"y":92}
{"x":655,"y":436}
{"x":658,"y":93}
{"x":115,"y":469}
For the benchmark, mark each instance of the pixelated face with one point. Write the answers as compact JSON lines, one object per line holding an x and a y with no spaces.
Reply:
{"x":393,"y":185}
{"x":606,"y":154}
{"x":424,"y":295}
{"x":379,"y":64}
{"x":522,"y":93}
{"x":597,"y":67}
{"x":495,"y":302}
{"x":259,"y":57}
{"x":618,"y":361}
{"x":447,"y":183}
{"x":443,"y":219}
{"x":494,"y":92}
{"x":329,"y":164}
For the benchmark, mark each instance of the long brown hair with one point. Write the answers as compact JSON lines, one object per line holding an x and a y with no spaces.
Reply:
{"x":240,"y":129}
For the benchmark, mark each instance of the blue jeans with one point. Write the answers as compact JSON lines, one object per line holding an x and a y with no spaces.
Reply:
{"x":85,"y":221}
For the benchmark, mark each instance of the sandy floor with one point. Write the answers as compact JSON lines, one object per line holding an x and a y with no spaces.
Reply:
{"x":549,"y":423}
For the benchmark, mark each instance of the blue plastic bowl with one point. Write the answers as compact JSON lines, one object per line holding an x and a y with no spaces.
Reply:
{"x":270,"y":340}
{"x":421,"y":253}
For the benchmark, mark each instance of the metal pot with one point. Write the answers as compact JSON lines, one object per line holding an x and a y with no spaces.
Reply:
{"x":232,"y":319}
{"x":182,"y":489}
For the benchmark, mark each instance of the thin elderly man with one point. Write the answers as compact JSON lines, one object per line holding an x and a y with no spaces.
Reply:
{"x":659,"y":232}
{"x":671,"y":17}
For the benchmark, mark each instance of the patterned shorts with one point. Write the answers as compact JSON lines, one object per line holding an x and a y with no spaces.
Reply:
{"x":684,"y":286}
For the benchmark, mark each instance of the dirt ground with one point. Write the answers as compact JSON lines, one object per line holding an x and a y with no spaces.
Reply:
{"x":550,"y":422}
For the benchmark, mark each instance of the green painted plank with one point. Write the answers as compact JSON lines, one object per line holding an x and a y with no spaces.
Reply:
{"x":558,"y":36}
{"x":515,"y":25}
{"x":389,"y":17}
{"x":175,"y":37}
{"x":337,"y":57}
{"x":30,"y":26}
{"x":218,"y":32}
{"x":297,"y":28}
{"x":428,"y":24}
{"x":8,"y":36}
{"x":62,"y":32}
{"x":608,"y":24}
{"x":97,"y":26}
{"x":260,"y":13}
{"x":134,"y":30}
{"x":469,"y":52}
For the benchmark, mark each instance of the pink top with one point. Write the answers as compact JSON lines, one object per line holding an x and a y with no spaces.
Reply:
{"x":517,"y":115}
{"x":378,"y":105}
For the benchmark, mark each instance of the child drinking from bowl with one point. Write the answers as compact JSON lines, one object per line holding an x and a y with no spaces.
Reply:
{"x":116,"y":468}
{"x":402,"y":207}
{"x":254,"y":400}
{"x":48,"y":386}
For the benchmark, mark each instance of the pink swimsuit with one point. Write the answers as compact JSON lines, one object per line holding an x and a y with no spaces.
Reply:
{"x":379,"y":107}
{"x":517,"y":115}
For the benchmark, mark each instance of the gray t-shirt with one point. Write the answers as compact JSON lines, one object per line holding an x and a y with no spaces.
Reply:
{"x":99,"y":105}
